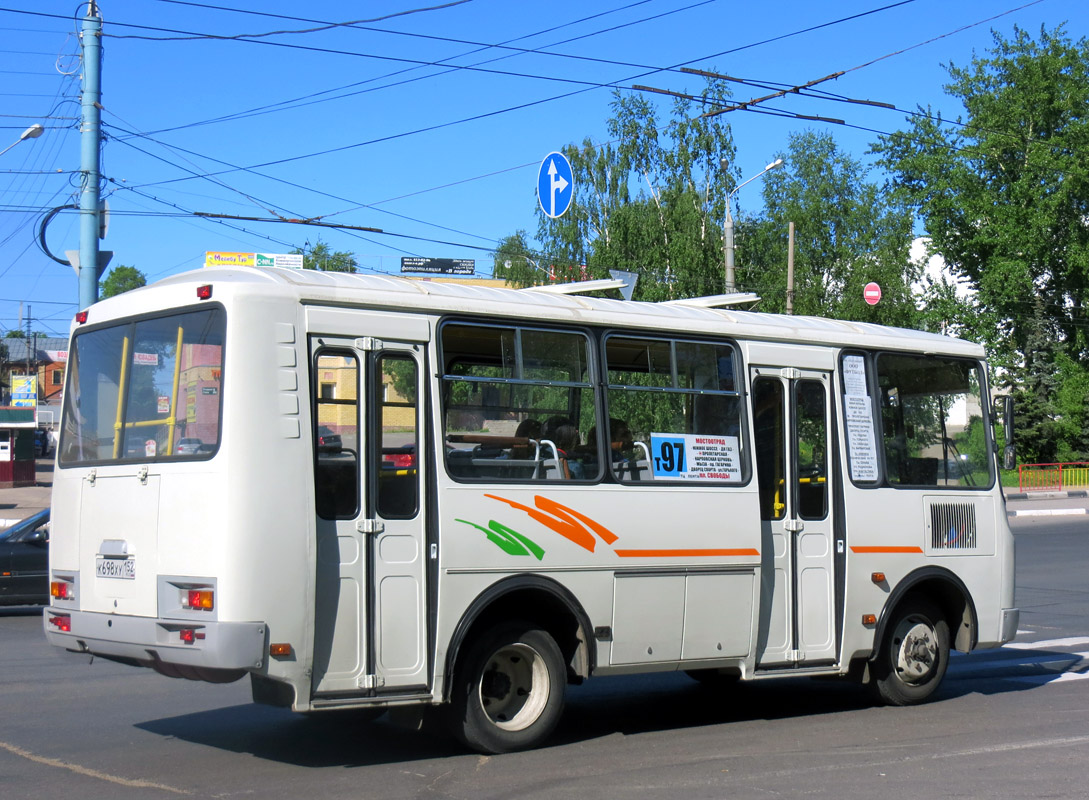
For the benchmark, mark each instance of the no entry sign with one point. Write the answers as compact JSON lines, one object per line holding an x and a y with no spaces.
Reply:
{"x":872,"y":293}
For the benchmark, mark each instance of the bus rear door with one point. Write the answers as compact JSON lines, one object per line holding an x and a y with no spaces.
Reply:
{"x":371,"y":598}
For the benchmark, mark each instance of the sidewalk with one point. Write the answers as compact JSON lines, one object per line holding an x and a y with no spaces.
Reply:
{"x":17,"y":504}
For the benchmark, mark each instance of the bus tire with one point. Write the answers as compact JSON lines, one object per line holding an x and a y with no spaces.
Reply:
{"x":508,"y":689}
{"x":914,"y":654}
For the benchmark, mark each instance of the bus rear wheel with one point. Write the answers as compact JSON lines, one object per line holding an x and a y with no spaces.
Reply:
{"x":508,"y":689}
{"x":914,"y":654}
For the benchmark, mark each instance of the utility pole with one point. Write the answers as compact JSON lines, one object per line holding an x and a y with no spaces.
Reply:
{"x":790,"y":269}
{"x":90,"y":132}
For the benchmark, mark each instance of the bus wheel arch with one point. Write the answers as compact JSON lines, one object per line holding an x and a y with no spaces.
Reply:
{"x":947,"y":592}
{"x":512,"y":655}
{"x":929,"y":614}
{"x":530,"y":598}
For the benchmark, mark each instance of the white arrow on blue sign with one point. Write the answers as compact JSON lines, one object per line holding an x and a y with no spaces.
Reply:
{"x":555,"y":185}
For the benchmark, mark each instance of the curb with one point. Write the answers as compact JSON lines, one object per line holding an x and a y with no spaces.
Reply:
{"x":1050,"y":512}
{"x":1046,"y":495}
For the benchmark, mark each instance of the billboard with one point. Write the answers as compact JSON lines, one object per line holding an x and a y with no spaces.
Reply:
{"x":223,"y":259}
{"x":24,"y":391}
{"x":438,"y":266}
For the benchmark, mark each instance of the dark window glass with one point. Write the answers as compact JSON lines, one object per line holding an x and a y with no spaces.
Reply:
{"x":398,"y":472}
{"x":336,"y":435}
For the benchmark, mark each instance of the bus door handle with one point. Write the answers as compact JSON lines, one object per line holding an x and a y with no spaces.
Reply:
{"x":793,"y":525}
{"x":370,"y":525}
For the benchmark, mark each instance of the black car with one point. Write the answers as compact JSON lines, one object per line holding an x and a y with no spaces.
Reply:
{"x":24,"y":562}
{"x":328,"y":440}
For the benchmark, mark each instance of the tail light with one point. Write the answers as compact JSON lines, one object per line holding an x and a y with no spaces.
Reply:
{"x":199,"y":600}
{"x":190,"y":635}
{"x":62,"y":622}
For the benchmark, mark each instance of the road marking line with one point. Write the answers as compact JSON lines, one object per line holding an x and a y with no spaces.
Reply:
{"x":91,"y":773}
{"x":1070,"y":642}
{"x":1041,"y":680}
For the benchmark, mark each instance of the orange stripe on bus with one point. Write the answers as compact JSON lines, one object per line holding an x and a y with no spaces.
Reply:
{"x":747,"y":551}
{"x":886,"y":549}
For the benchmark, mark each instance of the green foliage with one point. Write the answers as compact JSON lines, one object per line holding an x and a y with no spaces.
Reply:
{"x":847,"y":233}
{"x":121,"y":279}
{"x":322,"y":258}
{"x":650,"y":203}
{"x":1003,"y":190}
{"x":516,"y":262}
{"x":15,"y":333}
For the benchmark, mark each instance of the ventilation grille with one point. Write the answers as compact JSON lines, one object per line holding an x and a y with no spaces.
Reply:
{"x":952,"y":526}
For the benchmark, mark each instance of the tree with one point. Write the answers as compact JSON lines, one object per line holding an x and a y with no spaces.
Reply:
{"x":121,"y":279}
{"x":15,"y":333}
{"x":321,"y":257}
{"x":1003,"y":190}
{"x":646,"y":203}
{"x":848,"y":232}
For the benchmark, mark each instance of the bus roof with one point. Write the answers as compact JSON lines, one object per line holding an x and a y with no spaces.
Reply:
{"x":397,"y":293}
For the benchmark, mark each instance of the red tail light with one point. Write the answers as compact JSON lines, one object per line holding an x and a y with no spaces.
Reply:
{"x":81,"y":317}
{"x":62,"y":590}
{"x":61,"y":622}
{"x":204,"y":292}
{"x":200,"y":599}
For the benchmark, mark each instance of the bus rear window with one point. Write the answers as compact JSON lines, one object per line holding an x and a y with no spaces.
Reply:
{"x":145,"y":390}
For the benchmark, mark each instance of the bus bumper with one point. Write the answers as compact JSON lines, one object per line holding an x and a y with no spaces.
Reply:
{"x":152,"y":642}
{"x":1010,"y":618}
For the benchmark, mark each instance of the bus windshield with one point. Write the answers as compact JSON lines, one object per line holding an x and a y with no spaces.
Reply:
{"x":148,"y":389}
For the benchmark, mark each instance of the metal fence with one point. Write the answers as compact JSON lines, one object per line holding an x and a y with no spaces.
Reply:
{"x":1053,"y":477}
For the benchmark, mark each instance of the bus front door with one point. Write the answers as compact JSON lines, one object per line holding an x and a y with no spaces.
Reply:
{"x":792,"y":446}
{"x":370,"y":589}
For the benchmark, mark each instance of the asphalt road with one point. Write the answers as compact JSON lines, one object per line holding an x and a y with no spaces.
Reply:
{"x":1013,"y":722}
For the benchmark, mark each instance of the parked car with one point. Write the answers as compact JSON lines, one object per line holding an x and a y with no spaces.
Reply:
{"x":328,"y":440}
{"x":189,"y":447}
{"x":24,"y":562}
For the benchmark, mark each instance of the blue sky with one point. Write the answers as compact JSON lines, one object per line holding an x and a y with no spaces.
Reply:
{"x":346,"y":124}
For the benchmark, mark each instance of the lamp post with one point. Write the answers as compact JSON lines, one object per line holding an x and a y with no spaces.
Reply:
{"x":728,"y":225}
{"x":33,"y":132}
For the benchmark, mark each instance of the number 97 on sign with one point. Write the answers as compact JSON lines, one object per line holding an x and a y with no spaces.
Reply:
{"x":668,"y":455}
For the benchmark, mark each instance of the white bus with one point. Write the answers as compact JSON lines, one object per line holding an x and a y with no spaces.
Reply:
{"x":372,"y":492}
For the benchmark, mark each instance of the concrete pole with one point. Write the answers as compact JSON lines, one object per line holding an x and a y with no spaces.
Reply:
{"x":728,"y":247}
{"x":90,"y":131}
{"x":790,"y":269}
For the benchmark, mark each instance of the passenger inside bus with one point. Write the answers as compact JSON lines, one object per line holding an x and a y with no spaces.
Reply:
{"x":565,"y":436}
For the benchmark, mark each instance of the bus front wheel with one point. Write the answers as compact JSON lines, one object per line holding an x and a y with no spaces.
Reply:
{"x":508,"y":689}
{"x":914,"y":654}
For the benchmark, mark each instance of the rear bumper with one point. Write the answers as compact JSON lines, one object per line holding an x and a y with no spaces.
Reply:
{"x":215,"y":645}
{"x":1010,"y":618}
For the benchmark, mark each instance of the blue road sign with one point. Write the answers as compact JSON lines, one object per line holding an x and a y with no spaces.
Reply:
{"x":555,"y":185}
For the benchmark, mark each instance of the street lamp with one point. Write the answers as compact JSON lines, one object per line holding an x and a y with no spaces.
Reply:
{"x":33,"y":132}
{"x":728,"y":226}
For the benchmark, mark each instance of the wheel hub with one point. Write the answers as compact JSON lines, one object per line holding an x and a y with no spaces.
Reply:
{"x":917,"y":654}
{"x":514,"y":687}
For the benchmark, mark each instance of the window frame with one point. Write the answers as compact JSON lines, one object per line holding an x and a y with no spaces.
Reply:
{"x":984,"y":391}
{"x":740,"y":392}
{"x":130,"y":322}
{"x":590,"y":387}
{"x":360,"y":424}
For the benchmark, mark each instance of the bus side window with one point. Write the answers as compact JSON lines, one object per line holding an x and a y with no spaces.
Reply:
{"x":336,"y":435}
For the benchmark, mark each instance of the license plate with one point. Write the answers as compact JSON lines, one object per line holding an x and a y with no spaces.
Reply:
{"x":124,"y":568}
